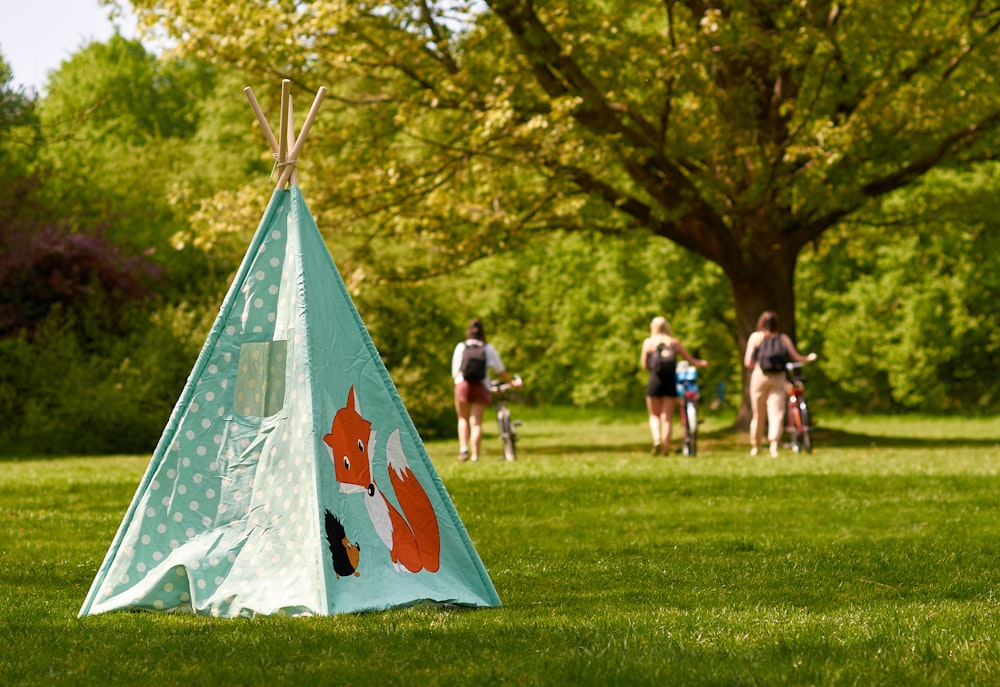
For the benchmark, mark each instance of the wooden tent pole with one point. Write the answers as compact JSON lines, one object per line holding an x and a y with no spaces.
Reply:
{"x":306,"y":125}
{"x":292,"y":177}
{"x":265,"y":127}
{"x":286,"y":159}
{"x":283,"y":129}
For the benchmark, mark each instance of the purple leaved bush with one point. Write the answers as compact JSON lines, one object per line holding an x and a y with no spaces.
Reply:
{"x":45,"y":265}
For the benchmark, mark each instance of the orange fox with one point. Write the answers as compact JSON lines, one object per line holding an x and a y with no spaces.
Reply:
{"x":412,"y":536}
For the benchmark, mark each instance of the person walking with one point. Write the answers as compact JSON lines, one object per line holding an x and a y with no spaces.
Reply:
{"x":768,"y":349}
{"x":470,"y":367}
{"x":659,"y":356}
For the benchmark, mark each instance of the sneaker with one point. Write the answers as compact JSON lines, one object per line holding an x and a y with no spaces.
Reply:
{"x":656,"y":449}
{"x":774,"y":449}
{"x":463,"y":455}
{"x":475,"y":459}
{"x":753,"y":451}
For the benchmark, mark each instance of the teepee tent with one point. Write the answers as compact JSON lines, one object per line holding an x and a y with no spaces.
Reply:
{"x":289,"y":478}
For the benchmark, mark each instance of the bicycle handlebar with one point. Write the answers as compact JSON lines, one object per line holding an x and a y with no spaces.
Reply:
{"x":791,"y":365}
{"x":503,"y":386}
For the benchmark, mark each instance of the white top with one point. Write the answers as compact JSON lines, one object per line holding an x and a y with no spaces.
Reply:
{"x":493,"y":362}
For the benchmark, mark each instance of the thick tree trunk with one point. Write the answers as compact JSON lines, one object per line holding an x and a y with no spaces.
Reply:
{"x":768,"y":285}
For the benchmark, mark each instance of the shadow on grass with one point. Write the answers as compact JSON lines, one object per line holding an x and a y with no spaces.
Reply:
{"x":842,"y":439}
{"x":728,"y":439}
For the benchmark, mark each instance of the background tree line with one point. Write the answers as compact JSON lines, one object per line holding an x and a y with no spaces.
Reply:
{"x":442,"y":165}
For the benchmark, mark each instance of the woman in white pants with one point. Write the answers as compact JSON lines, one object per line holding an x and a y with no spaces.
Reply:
{"x":768,"y":349}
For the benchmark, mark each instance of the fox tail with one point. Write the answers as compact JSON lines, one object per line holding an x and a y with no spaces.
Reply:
{"x":416,"y":537}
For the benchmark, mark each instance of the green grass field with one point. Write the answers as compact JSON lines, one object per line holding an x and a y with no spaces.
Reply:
{"x":874,"y":561}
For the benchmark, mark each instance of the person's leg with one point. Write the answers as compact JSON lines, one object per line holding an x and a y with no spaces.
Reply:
{"x":667,"y":422}
{"x":775,"y":412}
{"x":758,"y":409}
{"x":654,"y":406}
{"x":462,"y":410}
{"x":476,"y":428}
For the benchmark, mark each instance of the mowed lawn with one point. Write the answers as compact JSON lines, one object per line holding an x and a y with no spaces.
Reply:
{"x":873,"y":561}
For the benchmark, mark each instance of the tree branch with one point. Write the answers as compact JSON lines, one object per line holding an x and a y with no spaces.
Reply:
{"x":443,"y":53}
{"x":950,"y":145}
{"x":559,"y":76}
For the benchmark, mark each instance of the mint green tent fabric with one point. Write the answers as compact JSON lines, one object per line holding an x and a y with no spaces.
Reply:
{"x":289,"y":478}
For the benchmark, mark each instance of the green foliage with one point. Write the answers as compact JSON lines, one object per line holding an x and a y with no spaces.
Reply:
{"x":461,"y":169}
{"x":906,"y":323}
{"x":76,"y":388}
{"x":15,"y":103}
{"x":133,"y":144}
{"x":872,"y":562}
{"x":119,"y":90}
{"x":741,"y":131}
{"x":125,"y":147}
{"x":412,"y":328}
{"x":570,"y":312}
{"x":17,"y":145}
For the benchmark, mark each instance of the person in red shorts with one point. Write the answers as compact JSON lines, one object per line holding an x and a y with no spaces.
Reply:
{"x":470,"y":367}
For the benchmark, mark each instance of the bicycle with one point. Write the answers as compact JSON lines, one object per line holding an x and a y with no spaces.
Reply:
{"x":505,"y":425}
{"x":798,"y":421}
{"x":689,"y":393}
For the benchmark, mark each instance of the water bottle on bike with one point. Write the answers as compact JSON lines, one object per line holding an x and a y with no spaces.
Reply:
{"x":688,"y":393}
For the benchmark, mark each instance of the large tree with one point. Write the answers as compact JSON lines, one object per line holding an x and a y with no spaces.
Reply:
{"x":741,"y":130}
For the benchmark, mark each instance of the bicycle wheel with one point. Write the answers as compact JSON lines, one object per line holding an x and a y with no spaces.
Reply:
{"x":691,"y":429}
{"x":507,"y":435}
{"x":793,"y":425}
{"x":806,"y":426}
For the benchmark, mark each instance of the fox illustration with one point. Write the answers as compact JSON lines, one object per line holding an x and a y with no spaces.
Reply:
{"x":412,"y":537}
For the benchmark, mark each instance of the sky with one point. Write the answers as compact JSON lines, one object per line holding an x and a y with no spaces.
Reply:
{"x":37,"y":35}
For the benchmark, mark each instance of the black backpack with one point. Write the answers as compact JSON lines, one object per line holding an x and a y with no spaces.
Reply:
{"x":661,"y":360}
{"x":474,"y":362}
{"x":772,"y":355}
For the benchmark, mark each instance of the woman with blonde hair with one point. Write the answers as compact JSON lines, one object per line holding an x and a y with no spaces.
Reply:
{"x":659,"y":356}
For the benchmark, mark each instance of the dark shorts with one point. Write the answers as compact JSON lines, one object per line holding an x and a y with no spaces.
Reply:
{"x":662,"y":387}
{"x":477,"y":392}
